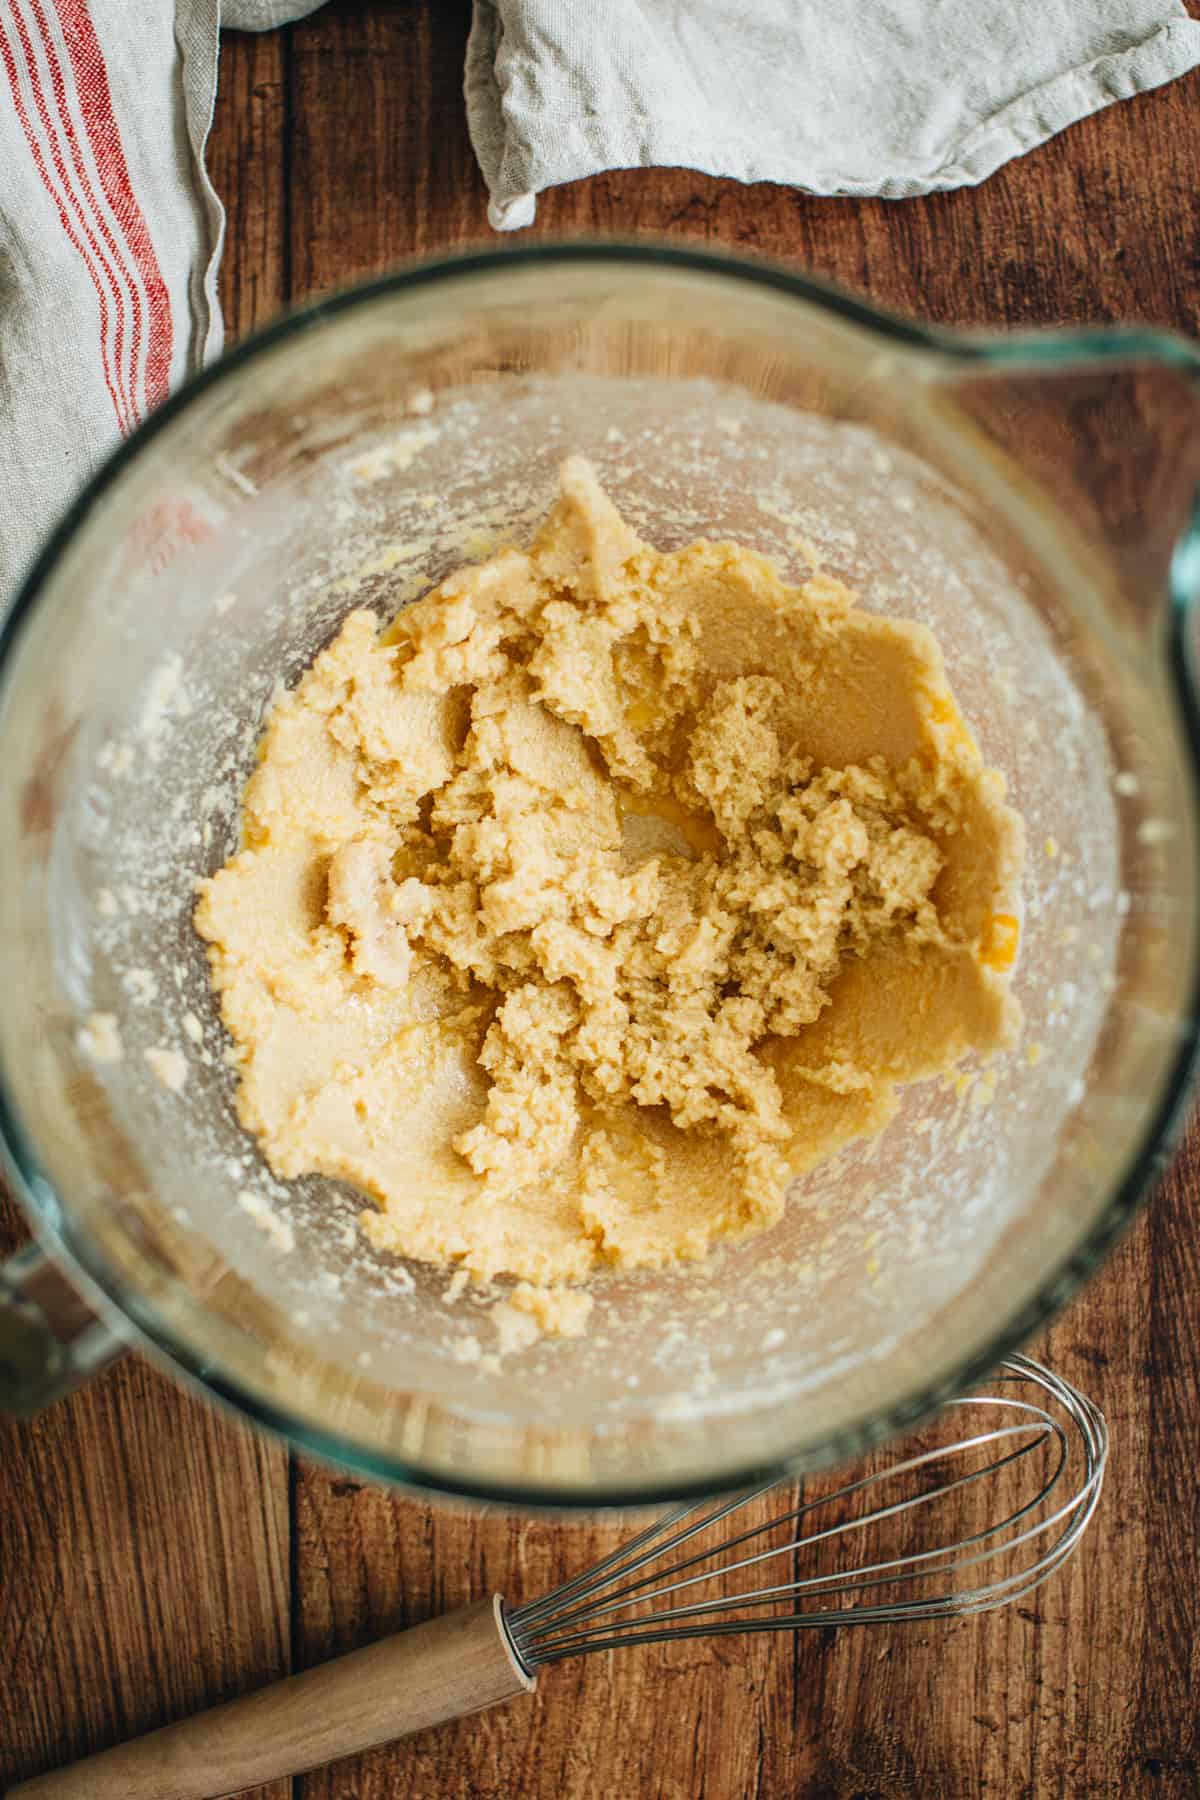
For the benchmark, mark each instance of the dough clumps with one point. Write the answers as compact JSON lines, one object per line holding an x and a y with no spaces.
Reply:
{"x":602,"y":893}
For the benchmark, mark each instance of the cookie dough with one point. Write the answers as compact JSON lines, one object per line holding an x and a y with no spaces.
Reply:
{"x":601,"y":893}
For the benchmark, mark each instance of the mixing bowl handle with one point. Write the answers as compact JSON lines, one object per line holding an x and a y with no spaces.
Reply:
{"x":50,"y":1341}
{"x":1039,"y":356}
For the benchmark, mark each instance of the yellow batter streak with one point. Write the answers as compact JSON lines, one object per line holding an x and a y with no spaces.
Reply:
{"x":601,"y":893}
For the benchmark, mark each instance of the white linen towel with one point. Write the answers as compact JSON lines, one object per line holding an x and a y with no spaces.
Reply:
{"x":888,"y":97}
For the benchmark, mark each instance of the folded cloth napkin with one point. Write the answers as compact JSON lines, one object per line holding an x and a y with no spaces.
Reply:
{"x":110,"y":234}
{"x":888,"y":97}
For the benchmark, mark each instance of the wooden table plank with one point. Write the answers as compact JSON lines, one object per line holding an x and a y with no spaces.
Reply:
{"x":247,"y":161}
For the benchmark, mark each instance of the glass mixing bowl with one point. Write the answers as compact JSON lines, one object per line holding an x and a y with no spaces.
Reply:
{"x":1028,"y":498}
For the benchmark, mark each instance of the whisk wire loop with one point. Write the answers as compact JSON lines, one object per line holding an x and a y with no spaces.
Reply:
{"x":1035,"y":1532}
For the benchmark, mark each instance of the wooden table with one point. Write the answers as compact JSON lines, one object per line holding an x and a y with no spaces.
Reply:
{"x":156,"y":1557}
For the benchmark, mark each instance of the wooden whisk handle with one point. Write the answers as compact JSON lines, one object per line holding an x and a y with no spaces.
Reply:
{"x":437,"y":1671}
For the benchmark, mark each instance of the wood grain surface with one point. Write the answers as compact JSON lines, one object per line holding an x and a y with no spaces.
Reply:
{"x":156,"y":1557}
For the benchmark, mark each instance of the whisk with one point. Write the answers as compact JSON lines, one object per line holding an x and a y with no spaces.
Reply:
{"x":1033,"y":1446}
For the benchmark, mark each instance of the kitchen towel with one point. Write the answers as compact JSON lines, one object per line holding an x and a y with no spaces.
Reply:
{"x":110,"y":233}
{"x":110,"y":236}
{"x":888,"y":97}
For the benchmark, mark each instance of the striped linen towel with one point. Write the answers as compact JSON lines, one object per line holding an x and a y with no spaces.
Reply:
{"x":109,"y":237}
